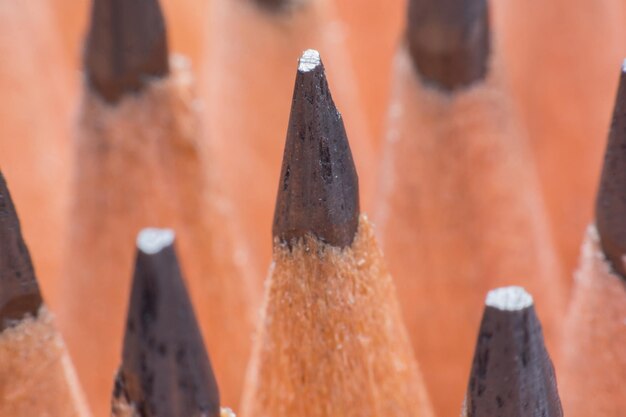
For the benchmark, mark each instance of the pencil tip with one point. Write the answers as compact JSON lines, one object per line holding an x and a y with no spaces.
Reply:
{"x":611,"y":199}
{"x":449,"y":41}
{"x":19,"y":290}
{"x":318,"y":190}
{"x":512,"y":373}
{"x":165,"y":368}
{"x":126,"y":46}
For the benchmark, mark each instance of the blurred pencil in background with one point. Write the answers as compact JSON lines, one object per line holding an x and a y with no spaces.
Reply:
{"x":138,"y":161}
{"x":595,"y":329}
{"x":37,"y":377}
{"x":459,"y":205}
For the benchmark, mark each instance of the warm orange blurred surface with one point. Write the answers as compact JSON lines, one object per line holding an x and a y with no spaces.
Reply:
{"x":560,"y":62}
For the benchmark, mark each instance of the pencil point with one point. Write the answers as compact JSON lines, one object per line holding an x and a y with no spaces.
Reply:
{"x":512,"y":373}
{"x":19,"y":290}
{"x":611,"y":199}
{"x":449,"y":41}
{"x":165,"y":368}
{"x":318,"y":191}
{"x":126,"y":46}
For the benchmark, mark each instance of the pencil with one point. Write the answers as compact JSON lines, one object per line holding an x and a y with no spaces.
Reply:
{"x":165,"y":369}
{"x":36,"y":374}
{"x":564,"y":100}
{"x":331,"y":339}
{"x":459,"y":209}
{"x":512,"y":374}
{"x":139,"y":162}
{"x":594,"y":362}
{"x":35,"y":112}
{"x":259,"y":89}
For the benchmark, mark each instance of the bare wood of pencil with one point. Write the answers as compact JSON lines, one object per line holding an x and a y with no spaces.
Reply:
{"x":512,"y":374}
{"x":331,"y":339}
{"x":165,"y":368}
{"x":594,"y":360}
{"x":36,"y":373}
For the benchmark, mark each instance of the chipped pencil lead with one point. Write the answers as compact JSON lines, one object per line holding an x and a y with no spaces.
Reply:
{"x":165,"y":369}
{"x":126,"y":46}
{"x":611,"y":199}
{"x":318,"y":190}
{"x":512,"y":373}
{"x":449,"y":41}
{"x":19,"y":290}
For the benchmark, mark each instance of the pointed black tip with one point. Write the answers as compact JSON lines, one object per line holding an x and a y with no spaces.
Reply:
{"x":19,"y":290}
{"x":126,"y":46}
{"x":512,"y":374}
{"x":449,"y":41}
{"x":318,"y":191}
{"x":165,"y":368}
{"x":274,"y":5}
{"x":611,"y":199}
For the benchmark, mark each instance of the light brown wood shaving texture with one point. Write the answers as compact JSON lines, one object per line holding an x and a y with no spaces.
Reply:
{"x":140,"y":164}
{"x":37,"y":378}
{"x":594,"y":348}
{"x":332,"y":341}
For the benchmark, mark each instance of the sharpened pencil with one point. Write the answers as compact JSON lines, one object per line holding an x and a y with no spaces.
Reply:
{"x":331,"y":339}
{"x":139,"y":161}
{"x":460,"y":208}
{"x":594,"y":361}
{"x":512,"y":373}
{"x":36,"y":374}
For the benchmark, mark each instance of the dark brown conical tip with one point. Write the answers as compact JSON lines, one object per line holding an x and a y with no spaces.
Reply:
{"x":126,"y":46}
{"x":449,"y":41}
{"x":19,"y":291}
{"x":318,"y":192}
{"x":512,"y":374}
{"x":165,"y":368}
{"x":611,"y":199}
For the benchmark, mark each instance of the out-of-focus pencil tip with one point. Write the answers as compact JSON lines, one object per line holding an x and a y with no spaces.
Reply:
{"x":611,"y":199}
{"x":19,"y":290}
{"x":318,"y":191}
{"x":512,"y":373}
{"x":165,"y":368}
{"x":449,"y":41}
{"x":126,"y":46}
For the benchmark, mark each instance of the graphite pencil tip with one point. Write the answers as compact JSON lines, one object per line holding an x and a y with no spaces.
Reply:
{"x":449,"y":41}
{"x":611,"y":199}
{"x":165,"y":368}
{"x":126,"y":46}
{"x":19,"y":290}
{"x":512,"y":374}
{"x":318,"y":191}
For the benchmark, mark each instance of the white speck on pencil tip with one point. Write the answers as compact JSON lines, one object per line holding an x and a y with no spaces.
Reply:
{"x":509,"y":298}
{"x":152,"y":240}
{"x":309,"y":60}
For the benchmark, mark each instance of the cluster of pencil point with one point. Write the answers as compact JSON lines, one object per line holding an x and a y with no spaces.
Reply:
{"x":336,"y":334}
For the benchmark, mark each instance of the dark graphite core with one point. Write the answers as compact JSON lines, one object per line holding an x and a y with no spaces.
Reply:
{"x":126,"y":47}
{"x":165,"y":371}
{"x":611,"y":199}
{"x":19,"y":290}
{"x":512,"y":374}
{"x":318,"y":191}
{"x":449,"y":41}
